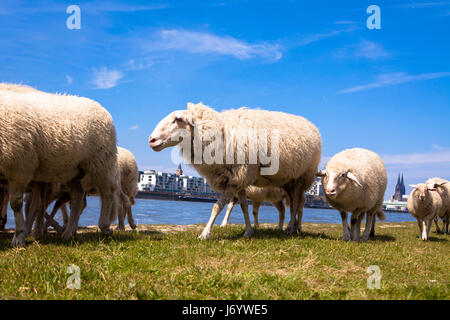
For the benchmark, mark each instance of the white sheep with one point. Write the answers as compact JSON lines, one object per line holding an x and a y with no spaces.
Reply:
{"x":257,"y":196}
{"x":129,"y":175}
{"x":127,"y":189}
{"x":56,"y":138}
{"x":355,"y":181}
{"x":295,"y":150}
{"x":424,"y":204}
{"x":443,"y":188}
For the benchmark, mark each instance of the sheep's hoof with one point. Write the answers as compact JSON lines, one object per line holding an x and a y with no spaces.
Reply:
{"x":346,"y":237}
{"x":223,"y":225}
{"x":203,"y":236}
{"x":133,"y":226}
{"x":248,"y":233}
{"x":121,"y":228}
{"x":17,"y":242}
{"x":107,"y":232}
{"x":67,"y":235}
{"x":290,"y":229}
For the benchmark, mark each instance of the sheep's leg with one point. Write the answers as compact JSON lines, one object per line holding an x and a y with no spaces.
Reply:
{"x":255,"y":210}
{"x":16,"y":201}
{"x":130,"y":217}
{"x":369,"y":224}
{"x":281,"y":209}
{"x":59,"y":204}
{"x":355,"y":225}
{"x":345,"y":228}
{"x":244,"y":206}
{"x":4,"y":198}
{"x":438,"y":230}
{"x":76,"y":206}
{"x":301,"y":204}
{"x":424,"y":229}
{"x":419,"y":223}
{"x":32,"y":206}
{"x":372,"y":230}
{"x":217,"y":208}
{"x":122,"y":209}
{"x":228,"y":213}
{"x":446,"y":222}
{"x":294,"y":203}
{"x":65,"y":215}
{"x":39,"y":226}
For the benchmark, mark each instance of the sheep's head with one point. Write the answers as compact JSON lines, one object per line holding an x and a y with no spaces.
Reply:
{"x":334,"y":183}
{"x":421,"y":191}
{"x":167,"y":132}
{"x":436,"y":183}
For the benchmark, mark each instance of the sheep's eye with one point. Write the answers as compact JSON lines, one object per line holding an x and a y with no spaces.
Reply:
{"x":343,"y":175}
{"x":176,"y":120}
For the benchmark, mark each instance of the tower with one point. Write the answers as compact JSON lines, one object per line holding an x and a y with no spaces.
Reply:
{"x":399,"y":189}
{"x":179,"y":171}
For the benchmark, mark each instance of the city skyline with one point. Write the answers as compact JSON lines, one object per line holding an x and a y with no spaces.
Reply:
{"x":386,"y":90}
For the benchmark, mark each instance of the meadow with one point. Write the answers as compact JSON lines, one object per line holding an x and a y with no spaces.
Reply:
{"x":169,"y":262}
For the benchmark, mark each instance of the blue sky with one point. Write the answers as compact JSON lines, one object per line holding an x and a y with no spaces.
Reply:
{"x":387,"y":90}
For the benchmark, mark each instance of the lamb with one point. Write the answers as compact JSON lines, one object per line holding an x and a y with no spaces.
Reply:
{"x":257,"y":196}
{"x":355,"y":181}
{"x":296,"y":148}
{"x":443,"y":188}
{"x":56,"y":138}
{"x":424,"y":204}
{"x":127,"y":189}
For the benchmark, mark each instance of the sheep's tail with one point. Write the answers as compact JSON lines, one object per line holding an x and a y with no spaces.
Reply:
{"x":380,"y":215}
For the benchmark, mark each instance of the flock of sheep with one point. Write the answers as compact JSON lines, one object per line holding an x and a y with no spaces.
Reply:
{"x":60,"y":148}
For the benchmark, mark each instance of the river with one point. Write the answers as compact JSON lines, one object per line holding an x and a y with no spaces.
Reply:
{"x":148,"y":211}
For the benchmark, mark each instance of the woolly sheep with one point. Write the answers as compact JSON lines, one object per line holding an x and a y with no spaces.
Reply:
{"x":257,"y":196}
{"x":296,"y":140}
{"x":56,"y":138}
{"x":443,"y":188}
{"x":424,"y":204}
{"x":127,"y":189}
{"x":355,"y":181}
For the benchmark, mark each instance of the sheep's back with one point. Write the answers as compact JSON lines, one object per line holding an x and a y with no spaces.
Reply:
{"x":51,"y":136}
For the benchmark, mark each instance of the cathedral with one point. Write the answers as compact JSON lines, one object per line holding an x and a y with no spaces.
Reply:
{"x":399,"y":189}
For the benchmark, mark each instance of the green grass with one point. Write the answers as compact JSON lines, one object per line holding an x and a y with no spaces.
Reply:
{"x":153,"y":264}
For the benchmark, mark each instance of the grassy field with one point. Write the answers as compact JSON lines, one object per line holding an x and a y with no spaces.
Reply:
{"x":169,"y":262}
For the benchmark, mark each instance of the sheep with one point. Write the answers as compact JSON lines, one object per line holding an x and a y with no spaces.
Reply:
{"x":443,"y":188}
{"x":355,"y":181}
{"x":424,"y":204}
{"x":127,"y":188}
{"x":49,"y":138}
{"x":257,"y":196}
{"x":296,"y":148}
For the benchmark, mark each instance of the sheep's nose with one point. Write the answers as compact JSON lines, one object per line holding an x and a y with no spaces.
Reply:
{"x":331,"y":190}
{"x":151,"y":140}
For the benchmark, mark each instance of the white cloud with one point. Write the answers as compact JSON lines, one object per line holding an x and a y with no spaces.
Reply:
{"x":363,"y":49}
{"x":389,"y":79}
{"x":134,"y":65}
{"x":439,"y":156}
{"x":319,"y":36}
{"x":135,"y":127}
{"x":207,"y":43}
{"x":105,"y":79}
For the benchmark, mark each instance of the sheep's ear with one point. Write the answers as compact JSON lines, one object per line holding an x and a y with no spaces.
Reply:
{"x":351,"y":176}
{"x":414,"y":186}
{"x":185,"y":117}
{"x":431,"y":189}
{"x":440,"y":184}
{"x":321,"y":173}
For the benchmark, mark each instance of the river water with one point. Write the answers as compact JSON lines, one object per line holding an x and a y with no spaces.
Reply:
{"x":148,"y":211}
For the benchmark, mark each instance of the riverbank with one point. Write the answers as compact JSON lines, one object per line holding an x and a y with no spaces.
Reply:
{"x":169,"y":262}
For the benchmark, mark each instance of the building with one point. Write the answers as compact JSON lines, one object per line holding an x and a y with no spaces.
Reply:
{"x":399,"y":189}
{"x":152,"y":180}
{"x":316,"y":188}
